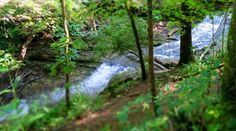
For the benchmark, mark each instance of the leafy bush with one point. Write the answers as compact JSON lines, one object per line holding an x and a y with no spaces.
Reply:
{"x":8,"y":62}
{"x":195,"y":105}
{"x":44,"y":118}
{"x":117,"y":35}
{"x":20,"y":19}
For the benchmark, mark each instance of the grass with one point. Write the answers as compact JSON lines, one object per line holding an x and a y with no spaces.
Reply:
{"x":45,"y":118}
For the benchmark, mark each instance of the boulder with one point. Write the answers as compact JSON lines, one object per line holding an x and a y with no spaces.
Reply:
{"x":119,"y":79}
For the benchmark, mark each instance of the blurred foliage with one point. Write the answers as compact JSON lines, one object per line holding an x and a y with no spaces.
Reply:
{"x":45,"y":118}
{"x":195,"y":105}
{"x":117,"y":36}
{"x":8,"y":62}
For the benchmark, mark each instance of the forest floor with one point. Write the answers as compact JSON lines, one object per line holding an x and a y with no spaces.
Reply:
{"x":107,"y":116}
{"x":93,"y":121}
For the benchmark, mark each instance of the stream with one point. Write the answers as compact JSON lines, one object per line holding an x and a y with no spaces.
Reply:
{"x":98,"y":80}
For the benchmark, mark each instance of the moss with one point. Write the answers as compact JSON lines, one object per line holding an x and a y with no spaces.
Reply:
{"x":229,"y":73}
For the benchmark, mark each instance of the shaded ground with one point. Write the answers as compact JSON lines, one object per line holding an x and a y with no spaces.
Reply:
{"x":94,"y":121}
{"x":106,"y":117}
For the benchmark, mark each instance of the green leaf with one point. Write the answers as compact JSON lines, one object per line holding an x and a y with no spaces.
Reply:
{"x":67,"y":69}
{"x":36,"y":117}
{"x":4,"y":69}
{"x":79,"y":44}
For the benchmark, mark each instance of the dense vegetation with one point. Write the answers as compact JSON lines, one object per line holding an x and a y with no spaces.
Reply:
{"x":58,"y":43}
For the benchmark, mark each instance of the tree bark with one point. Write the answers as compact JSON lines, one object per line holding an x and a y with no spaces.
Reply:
{"x":229,"y":72}
{"x":25,"y":47}
{"x":140,"y":53}
{"x":67,"y":90}
{"x":150,"y":55}
{"x":186,"y":52}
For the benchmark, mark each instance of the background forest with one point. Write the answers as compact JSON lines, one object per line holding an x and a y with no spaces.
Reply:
{"x":118,"y":65}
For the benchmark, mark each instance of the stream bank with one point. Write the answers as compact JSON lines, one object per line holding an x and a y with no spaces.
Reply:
{"x":99,"y":78}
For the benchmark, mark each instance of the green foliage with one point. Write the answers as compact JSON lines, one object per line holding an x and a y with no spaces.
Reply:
{"x":45,"y":118}
{"x":21,"y":19}
{"x":195,"y":105}
{"x":8,"y":62}
{"x":116,"y":89}
{"x":64,"y":62}
{"x":170,"y":10}
{"x":123,"y":115}
{"x":116,"y":35}
{"x":228,"y":90}
{"x":75,"y":29}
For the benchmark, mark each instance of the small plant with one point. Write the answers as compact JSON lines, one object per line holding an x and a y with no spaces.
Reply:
{"x":8,"y":63}
{"x":45,"y":118}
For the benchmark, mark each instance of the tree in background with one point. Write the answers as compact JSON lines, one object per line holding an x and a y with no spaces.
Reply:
{"x":229,"y":72}
{"x":186,"y":52}
{"x":150,"y":53}
{"x":184,"y":12}
{"x":133,"y":25}
{"x":66,"y":48}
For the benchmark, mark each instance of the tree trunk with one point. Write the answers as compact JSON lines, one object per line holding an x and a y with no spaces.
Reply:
{"x":67,"y":90}
{"x":150,"y":55}
{"x":229,"y":72}
{"x":186,"y":52}
{"x":25,"y":47}
{"x":140,"y":53}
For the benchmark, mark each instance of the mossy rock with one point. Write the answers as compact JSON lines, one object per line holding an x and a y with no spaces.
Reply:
{"x":118,"y":80}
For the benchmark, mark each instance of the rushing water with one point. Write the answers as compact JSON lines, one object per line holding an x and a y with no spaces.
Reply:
{"x":92,"y":85}
{"x":99,"y":79}
{"x":202,"y":35}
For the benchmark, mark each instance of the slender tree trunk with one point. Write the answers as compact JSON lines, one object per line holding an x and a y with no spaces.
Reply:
{"x":223,"y":33}
{"x":140,"y":53}
{"x":150,"y":55}
{"x":25,"y":47}
{"x":67,"y":90}
{"x":186,"y":52}
{"x":229,"y":72}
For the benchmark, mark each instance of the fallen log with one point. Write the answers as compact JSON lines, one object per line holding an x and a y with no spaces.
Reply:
{"x":158,"y":65}
{"x":132,"y":52}
{"x":173,"y":39}
{"x":213,"y":43}
{"x":207,"y":50}
{"x":165,"y":64}
{"x":171,"y":32}
{"x":160,"y":71}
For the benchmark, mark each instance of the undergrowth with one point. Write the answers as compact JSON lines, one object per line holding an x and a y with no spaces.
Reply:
{"x":50,"y":117}
{"x":194,"y":105}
